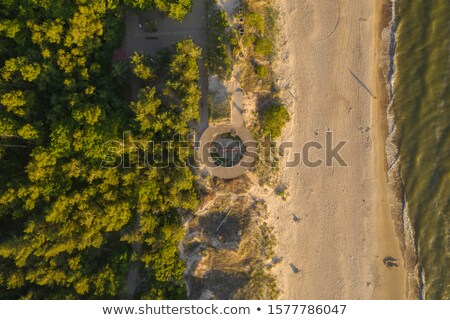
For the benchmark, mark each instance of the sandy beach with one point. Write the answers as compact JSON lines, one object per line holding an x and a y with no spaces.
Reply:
{"x":329,"y":68}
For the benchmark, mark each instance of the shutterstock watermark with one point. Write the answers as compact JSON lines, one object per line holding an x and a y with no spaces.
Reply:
{"x":329,"y":157}
{"x":225,"y":150}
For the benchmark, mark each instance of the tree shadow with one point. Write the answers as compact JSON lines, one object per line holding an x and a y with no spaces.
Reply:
{"x":361,"y":83}
{"x":294,"y":268}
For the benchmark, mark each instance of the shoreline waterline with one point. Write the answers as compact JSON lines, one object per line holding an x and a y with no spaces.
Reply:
{"x":399,"y":206}
{"x":419,"y":134}
{"x":388,"y":227}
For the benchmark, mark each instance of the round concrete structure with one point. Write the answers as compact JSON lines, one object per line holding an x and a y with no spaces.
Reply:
{"x":248,"y":145}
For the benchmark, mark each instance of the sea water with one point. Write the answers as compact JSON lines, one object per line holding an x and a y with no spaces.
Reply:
{"x":421,"y":105}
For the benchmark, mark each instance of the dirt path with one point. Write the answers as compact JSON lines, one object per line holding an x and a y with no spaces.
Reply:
{"x":237,"y":118}
{"x":133,"y":278}
{"x":169,"y":33}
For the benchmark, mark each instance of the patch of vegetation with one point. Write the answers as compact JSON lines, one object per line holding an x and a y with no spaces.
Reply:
{"x":175,"y":9}
{"x":256,"y":23}
{"x":74,"y":197}
{"x":267,"y":166}
{"x":233,"y":40}
{"x":217,"y":58}
{"x":282,"y":191}
{"x":120,"y":72}
{"x":264,"y":47}
{"x":240,"y":251}
{"x":251,"y":82}
{"x":140,"y":63}
{"x":219,"y":107}
{"x":274,"y":119}
{"x":261,"y":283}
{"x":260,"y":29}
{"x":262,"y":71}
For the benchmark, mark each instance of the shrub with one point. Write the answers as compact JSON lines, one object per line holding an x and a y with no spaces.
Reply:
{"x":140,"y":65}
{"x":256,"y":21}
{"x":262,"y":71}
{"x":274,"y":120}
{"x":120,"y":71}
{"x":217,"y":59}
{"x":264,"y":47}
{"x":233,"y":40}
{"x":174,"y":9}
{"x":249,"y":40}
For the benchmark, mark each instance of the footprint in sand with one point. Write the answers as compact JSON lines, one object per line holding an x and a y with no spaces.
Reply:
{"x":317,"y":19}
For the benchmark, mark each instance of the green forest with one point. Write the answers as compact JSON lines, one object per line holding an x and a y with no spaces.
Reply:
{"x":69,"y":228}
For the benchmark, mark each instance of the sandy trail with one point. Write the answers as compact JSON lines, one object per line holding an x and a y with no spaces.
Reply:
{"x":329,"y":64}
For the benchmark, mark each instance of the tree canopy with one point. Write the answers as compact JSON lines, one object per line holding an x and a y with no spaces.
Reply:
{"x":67,"y":224}
{"x":175,"y":9}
